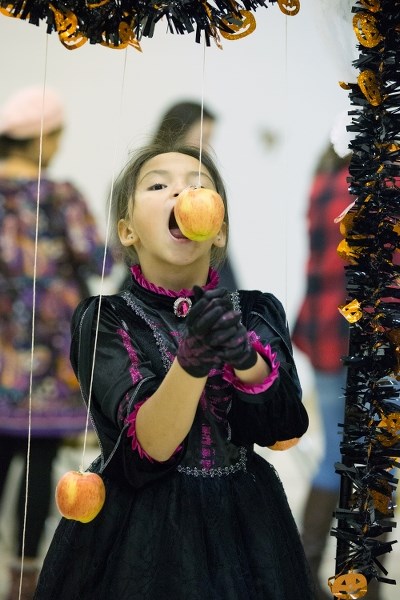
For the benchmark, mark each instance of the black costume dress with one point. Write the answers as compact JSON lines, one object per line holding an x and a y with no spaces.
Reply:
{"x":211,"y":523}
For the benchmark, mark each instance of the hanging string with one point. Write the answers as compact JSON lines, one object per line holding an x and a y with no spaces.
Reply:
{"x":202,"y":108}
{"x":106,"y":244}
{"x":35,"y":256}
{"x":285,"y":166}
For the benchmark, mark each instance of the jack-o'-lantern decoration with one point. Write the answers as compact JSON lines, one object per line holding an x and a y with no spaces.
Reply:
{"x":240,"y":29}
{"x":351,"y":585}
{"x":369,"y":85}
{"x":365,"y":28}
{"x":289,"y":7}
{"x":351,"y":311}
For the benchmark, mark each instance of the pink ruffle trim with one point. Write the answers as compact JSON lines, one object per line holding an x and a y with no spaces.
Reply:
{"x":131,"y":420}
{"x":266,"y":352}
{"x":213,"y":279}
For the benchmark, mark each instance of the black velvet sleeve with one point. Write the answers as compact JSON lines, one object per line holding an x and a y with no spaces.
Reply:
{"x":276,"y":414}
{"x":125,"y":373}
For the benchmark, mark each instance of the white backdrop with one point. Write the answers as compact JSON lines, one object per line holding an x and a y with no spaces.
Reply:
{"x":283,"y":78}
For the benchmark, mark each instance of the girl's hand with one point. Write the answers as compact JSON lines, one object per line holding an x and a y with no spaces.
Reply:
{"x":214,"y":317}
{"x":196,"y":353}
{"x":236,"y":349}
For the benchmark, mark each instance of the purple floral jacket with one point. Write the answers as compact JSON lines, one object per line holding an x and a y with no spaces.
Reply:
{"x":49,"y":286}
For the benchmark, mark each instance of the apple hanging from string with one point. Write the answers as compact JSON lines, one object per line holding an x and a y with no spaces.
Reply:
{"x":199,"y":213}
{"x":80,"y":495}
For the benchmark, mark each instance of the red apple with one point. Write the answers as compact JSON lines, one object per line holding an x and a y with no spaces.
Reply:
{"x":199,"y":213}
{"x":80,"y":495}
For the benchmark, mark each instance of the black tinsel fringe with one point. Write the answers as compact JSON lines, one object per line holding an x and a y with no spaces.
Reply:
{"x":371,"y":430}
{"x":117,"y":23}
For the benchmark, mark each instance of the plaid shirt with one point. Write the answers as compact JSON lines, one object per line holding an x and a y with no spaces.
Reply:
{"x":320,"y":331}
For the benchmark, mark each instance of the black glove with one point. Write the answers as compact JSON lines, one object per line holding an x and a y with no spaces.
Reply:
{"x":196,"y":353}
{"x":237,"y":350}
{"x":224,"y":331}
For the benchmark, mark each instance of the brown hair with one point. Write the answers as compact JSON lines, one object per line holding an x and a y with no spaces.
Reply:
{"x":178,"y":119}
{"x":125,"y":186}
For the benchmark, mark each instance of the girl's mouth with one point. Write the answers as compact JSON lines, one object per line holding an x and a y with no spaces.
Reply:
{"x":174,"y":229}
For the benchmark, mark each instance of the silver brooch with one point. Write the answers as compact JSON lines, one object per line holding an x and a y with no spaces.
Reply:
{"x":182,"y":306}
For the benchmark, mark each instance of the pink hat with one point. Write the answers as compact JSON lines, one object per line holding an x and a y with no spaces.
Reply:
{"x":21,"y":115}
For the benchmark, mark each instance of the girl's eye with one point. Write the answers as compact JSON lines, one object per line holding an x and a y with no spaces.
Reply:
{"x":157,"y":186}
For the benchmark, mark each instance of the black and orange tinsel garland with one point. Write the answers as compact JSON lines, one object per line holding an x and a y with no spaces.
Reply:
{"x":119,"y":23}
{"x":370,"y":446}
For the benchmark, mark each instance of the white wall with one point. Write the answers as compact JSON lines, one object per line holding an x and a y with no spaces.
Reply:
{"x":282,"y":78}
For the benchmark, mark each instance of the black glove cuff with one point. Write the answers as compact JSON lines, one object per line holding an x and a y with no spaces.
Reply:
{"x":194,"y":370}
{"x":248,"y":362}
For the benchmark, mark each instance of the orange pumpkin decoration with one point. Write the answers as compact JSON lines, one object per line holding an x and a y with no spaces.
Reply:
{"x":352,"y":311}
{"x":240,"y":29}
{"x":366,"y":30}
{"x":369,"y":86}
{"x":289,"y":7}
{"x":348,"y":586}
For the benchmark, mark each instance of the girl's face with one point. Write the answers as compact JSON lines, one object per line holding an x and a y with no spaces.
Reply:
{"x":151,"y":227}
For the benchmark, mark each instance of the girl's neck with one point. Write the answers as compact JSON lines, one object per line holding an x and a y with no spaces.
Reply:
{"x":19,"y":167}
{"x":178,"y":278}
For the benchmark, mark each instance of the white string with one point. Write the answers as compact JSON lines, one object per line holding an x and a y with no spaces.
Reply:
{"x":202,"y":108}
{"x":108,"y":226}
{"x":28,"y":452}
{"x":285,"y":203}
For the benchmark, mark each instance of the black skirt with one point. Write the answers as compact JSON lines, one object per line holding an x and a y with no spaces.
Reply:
{"x":183,"y":537}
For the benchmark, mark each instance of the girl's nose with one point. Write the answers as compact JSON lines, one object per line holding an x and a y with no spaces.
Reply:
{"x":178,"y":188}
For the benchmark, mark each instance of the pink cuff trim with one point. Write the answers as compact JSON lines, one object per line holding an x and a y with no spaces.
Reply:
{"x":131,"y":420}
{"x":264,"y":351}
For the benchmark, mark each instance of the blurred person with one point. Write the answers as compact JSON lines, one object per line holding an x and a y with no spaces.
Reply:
{"x":187,"y":122}
{"x":322,"y":334}
{"x":43,"y":391}
{"x":182,"y":122}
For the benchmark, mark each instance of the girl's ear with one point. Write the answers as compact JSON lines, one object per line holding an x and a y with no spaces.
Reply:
{"x":220,"y":238}
{"x":127,"y":233}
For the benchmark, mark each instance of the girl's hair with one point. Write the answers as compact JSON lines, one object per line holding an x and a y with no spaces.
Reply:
{"x":9,"y":145}
{"x":178,"y":119}
{"x":124,"y":189}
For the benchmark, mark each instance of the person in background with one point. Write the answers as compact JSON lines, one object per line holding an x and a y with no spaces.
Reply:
{"x":39,"y":393}
{"x":187,"y":378}
{"x":183,"y":122}
{"x":322,"y":334}
{"x":188,"y":122}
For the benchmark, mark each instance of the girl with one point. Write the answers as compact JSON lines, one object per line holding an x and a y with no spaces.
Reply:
{"x":187,"y":379}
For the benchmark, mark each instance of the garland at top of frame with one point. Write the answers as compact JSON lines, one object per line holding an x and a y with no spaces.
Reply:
{"x":371,"y":247}
{"x":121,"y":23}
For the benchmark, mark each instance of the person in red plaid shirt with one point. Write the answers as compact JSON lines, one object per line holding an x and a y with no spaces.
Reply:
{"x":322,"y":334}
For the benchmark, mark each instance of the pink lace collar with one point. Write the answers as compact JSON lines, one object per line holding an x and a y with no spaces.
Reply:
{"x":213,"y":279}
